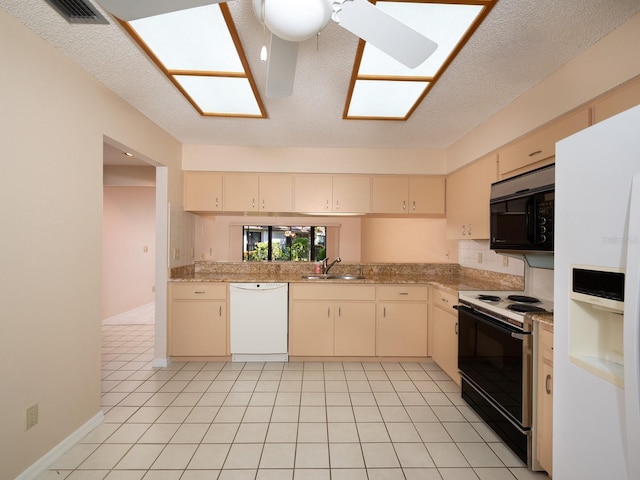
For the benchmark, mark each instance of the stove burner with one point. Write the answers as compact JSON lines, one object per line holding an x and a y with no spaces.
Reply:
{"x":523,"y":299}
{"x":489,"y":298}
{"x":524,"y":308}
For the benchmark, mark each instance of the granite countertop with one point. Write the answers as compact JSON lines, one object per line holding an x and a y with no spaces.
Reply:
{"x":451,"y":282}
{"x":542,"y":317}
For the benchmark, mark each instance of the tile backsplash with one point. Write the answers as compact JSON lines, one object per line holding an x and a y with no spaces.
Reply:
{"x":476,"y":254}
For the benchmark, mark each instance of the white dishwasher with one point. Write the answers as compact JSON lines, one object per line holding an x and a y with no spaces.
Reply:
{"x":259,"y":322}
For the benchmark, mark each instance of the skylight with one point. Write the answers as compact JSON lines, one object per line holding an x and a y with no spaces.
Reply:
{"x":200,"y":52}
{"x":383,"y":88}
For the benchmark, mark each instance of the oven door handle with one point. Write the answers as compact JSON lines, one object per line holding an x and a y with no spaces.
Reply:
{"x":492,"y":323}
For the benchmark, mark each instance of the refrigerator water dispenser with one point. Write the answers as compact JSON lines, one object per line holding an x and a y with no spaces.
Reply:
{"x":596,"y":309}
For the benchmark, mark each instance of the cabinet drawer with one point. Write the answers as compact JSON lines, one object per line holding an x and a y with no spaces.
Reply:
{"x":198,"y":291}
{"x":545,"y":342}
{"x":403,"y":292}
{"x":445,"y":300}
{"x":335,"y":291}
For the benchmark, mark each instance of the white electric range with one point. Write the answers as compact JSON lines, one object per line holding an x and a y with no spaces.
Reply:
{"x":508,"y":306}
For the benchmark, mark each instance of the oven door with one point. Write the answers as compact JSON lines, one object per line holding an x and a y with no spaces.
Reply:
{"x":495,"y":358}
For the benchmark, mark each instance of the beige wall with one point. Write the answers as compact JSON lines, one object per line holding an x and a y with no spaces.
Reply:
{"x":128,"y":268}
{"x":314,"y":160}
{"x":406,"y":240}
{"x":53,"y":122}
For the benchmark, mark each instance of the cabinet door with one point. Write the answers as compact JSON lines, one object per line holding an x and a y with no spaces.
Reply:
{"x":616,"y":102}
{"x":202,"y":192}
{"x":312,"y":193}
{"x":427,"y":195}
{"x":198,"y":328}
{"x":402,"y":329}
{"x":544,"y":398}
{"x":311,"y":328}
{"x":240,"y":192}
{"x":351,"y":194}
{"x":468,"y":192}
{"x":276,"y":193}
{"x":444,"y":332}
{"x":355,"y":329}
{"x":390,"y":194}
{"x":540,"y":145}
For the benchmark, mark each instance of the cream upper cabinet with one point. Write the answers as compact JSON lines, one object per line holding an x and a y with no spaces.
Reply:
{"x":616,"y":102}
{"x":351,"y":194}
{"x":539,"y":148}
{"x":390,"y":194}
{"x":427,"y":195}
{"x":444,"y":333}
{"x":241,"y":192}
{"x":276,"y":193}
{"x":396,"y":194}
{"x":312,"y":193}
{"x":468,"y":193}
{"x":202,"y":191}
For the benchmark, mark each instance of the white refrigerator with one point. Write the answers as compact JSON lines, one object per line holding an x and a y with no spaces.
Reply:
{"x":596,"y":408}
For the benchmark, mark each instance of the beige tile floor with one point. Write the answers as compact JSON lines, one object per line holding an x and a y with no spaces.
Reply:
{"x":280,"y":421}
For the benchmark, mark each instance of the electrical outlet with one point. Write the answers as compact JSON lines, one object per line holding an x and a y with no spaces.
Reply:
{"x":153,"y":288}
{"x":505,"y":261}
{"x":145,"y":249}
{"x":32,"y":416}
{"x":176,"y":254}
{"x":479,"y":257}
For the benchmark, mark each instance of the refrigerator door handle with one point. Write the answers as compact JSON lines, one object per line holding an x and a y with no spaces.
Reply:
{"x":632,"y":333}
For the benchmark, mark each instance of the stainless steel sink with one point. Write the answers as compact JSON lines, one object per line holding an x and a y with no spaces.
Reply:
{"x":318,"y":276}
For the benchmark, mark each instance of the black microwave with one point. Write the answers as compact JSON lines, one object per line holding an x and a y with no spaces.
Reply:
{"x":521,"y":212}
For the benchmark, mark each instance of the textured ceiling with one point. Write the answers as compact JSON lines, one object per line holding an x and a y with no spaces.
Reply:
{"x":519,"y":44}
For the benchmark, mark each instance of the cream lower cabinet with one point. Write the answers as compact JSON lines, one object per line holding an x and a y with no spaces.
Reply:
{"x":332,"y":320}
{"x":402,"y":320}
{"x":198,"y":324}
{"x":544,"y":398}
{"x":444,"y":333}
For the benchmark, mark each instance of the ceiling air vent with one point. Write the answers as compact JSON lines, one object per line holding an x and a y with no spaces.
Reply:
{"x":77,"y":11}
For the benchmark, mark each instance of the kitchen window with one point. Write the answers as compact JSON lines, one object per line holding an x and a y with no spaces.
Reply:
{"x":275,"y":243}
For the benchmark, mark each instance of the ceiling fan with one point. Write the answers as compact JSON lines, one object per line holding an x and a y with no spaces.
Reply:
{"x":293,"y":21}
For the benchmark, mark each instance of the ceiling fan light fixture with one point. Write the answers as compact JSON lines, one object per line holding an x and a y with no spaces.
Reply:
{"x":296,"y":20}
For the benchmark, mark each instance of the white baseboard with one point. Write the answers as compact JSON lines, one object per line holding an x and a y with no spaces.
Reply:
{"x":56,"y":452}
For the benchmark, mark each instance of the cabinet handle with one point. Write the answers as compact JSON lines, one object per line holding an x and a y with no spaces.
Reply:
{"x":328,"y":312}
{"x":216,"y":202}
{"x":404,"y":205}
{"x":384,"y":311}
{"x":464,"y":230}
{"x":199,"y":293}
{"x":546,"y":384}
{"x":263,"y":203}
{"x":445,"y":300}
{"x":337,"y":205}
{"x":327,"y":207}
{"x":339,"y":311}
{"x":253,"y":203}
{"x":403,"y":293}
{"x":414,"y":205}
{"x":533,"y":154}
{"x":469,"y":229}
{"x":220,"y":311}
{"x":456,"y":329}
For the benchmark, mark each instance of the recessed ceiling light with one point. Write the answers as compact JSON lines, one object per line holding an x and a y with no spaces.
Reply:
{"x":128,"y":154}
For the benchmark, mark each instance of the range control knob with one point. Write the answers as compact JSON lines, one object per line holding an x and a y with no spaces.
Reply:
{"x":543,"y":220}
{"x":542,"y":238}
{"x":543,"y":229}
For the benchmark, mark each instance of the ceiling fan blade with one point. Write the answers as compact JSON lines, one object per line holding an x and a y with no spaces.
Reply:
{"x":385,"y":32}
{"x":281,"y":70}
{"x":129,"y":10}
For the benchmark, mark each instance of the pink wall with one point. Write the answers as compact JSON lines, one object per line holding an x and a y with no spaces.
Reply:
{"x":127,"y":270}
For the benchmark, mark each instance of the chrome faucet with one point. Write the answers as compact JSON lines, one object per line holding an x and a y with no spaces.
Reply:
{"x":326,"y":267}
